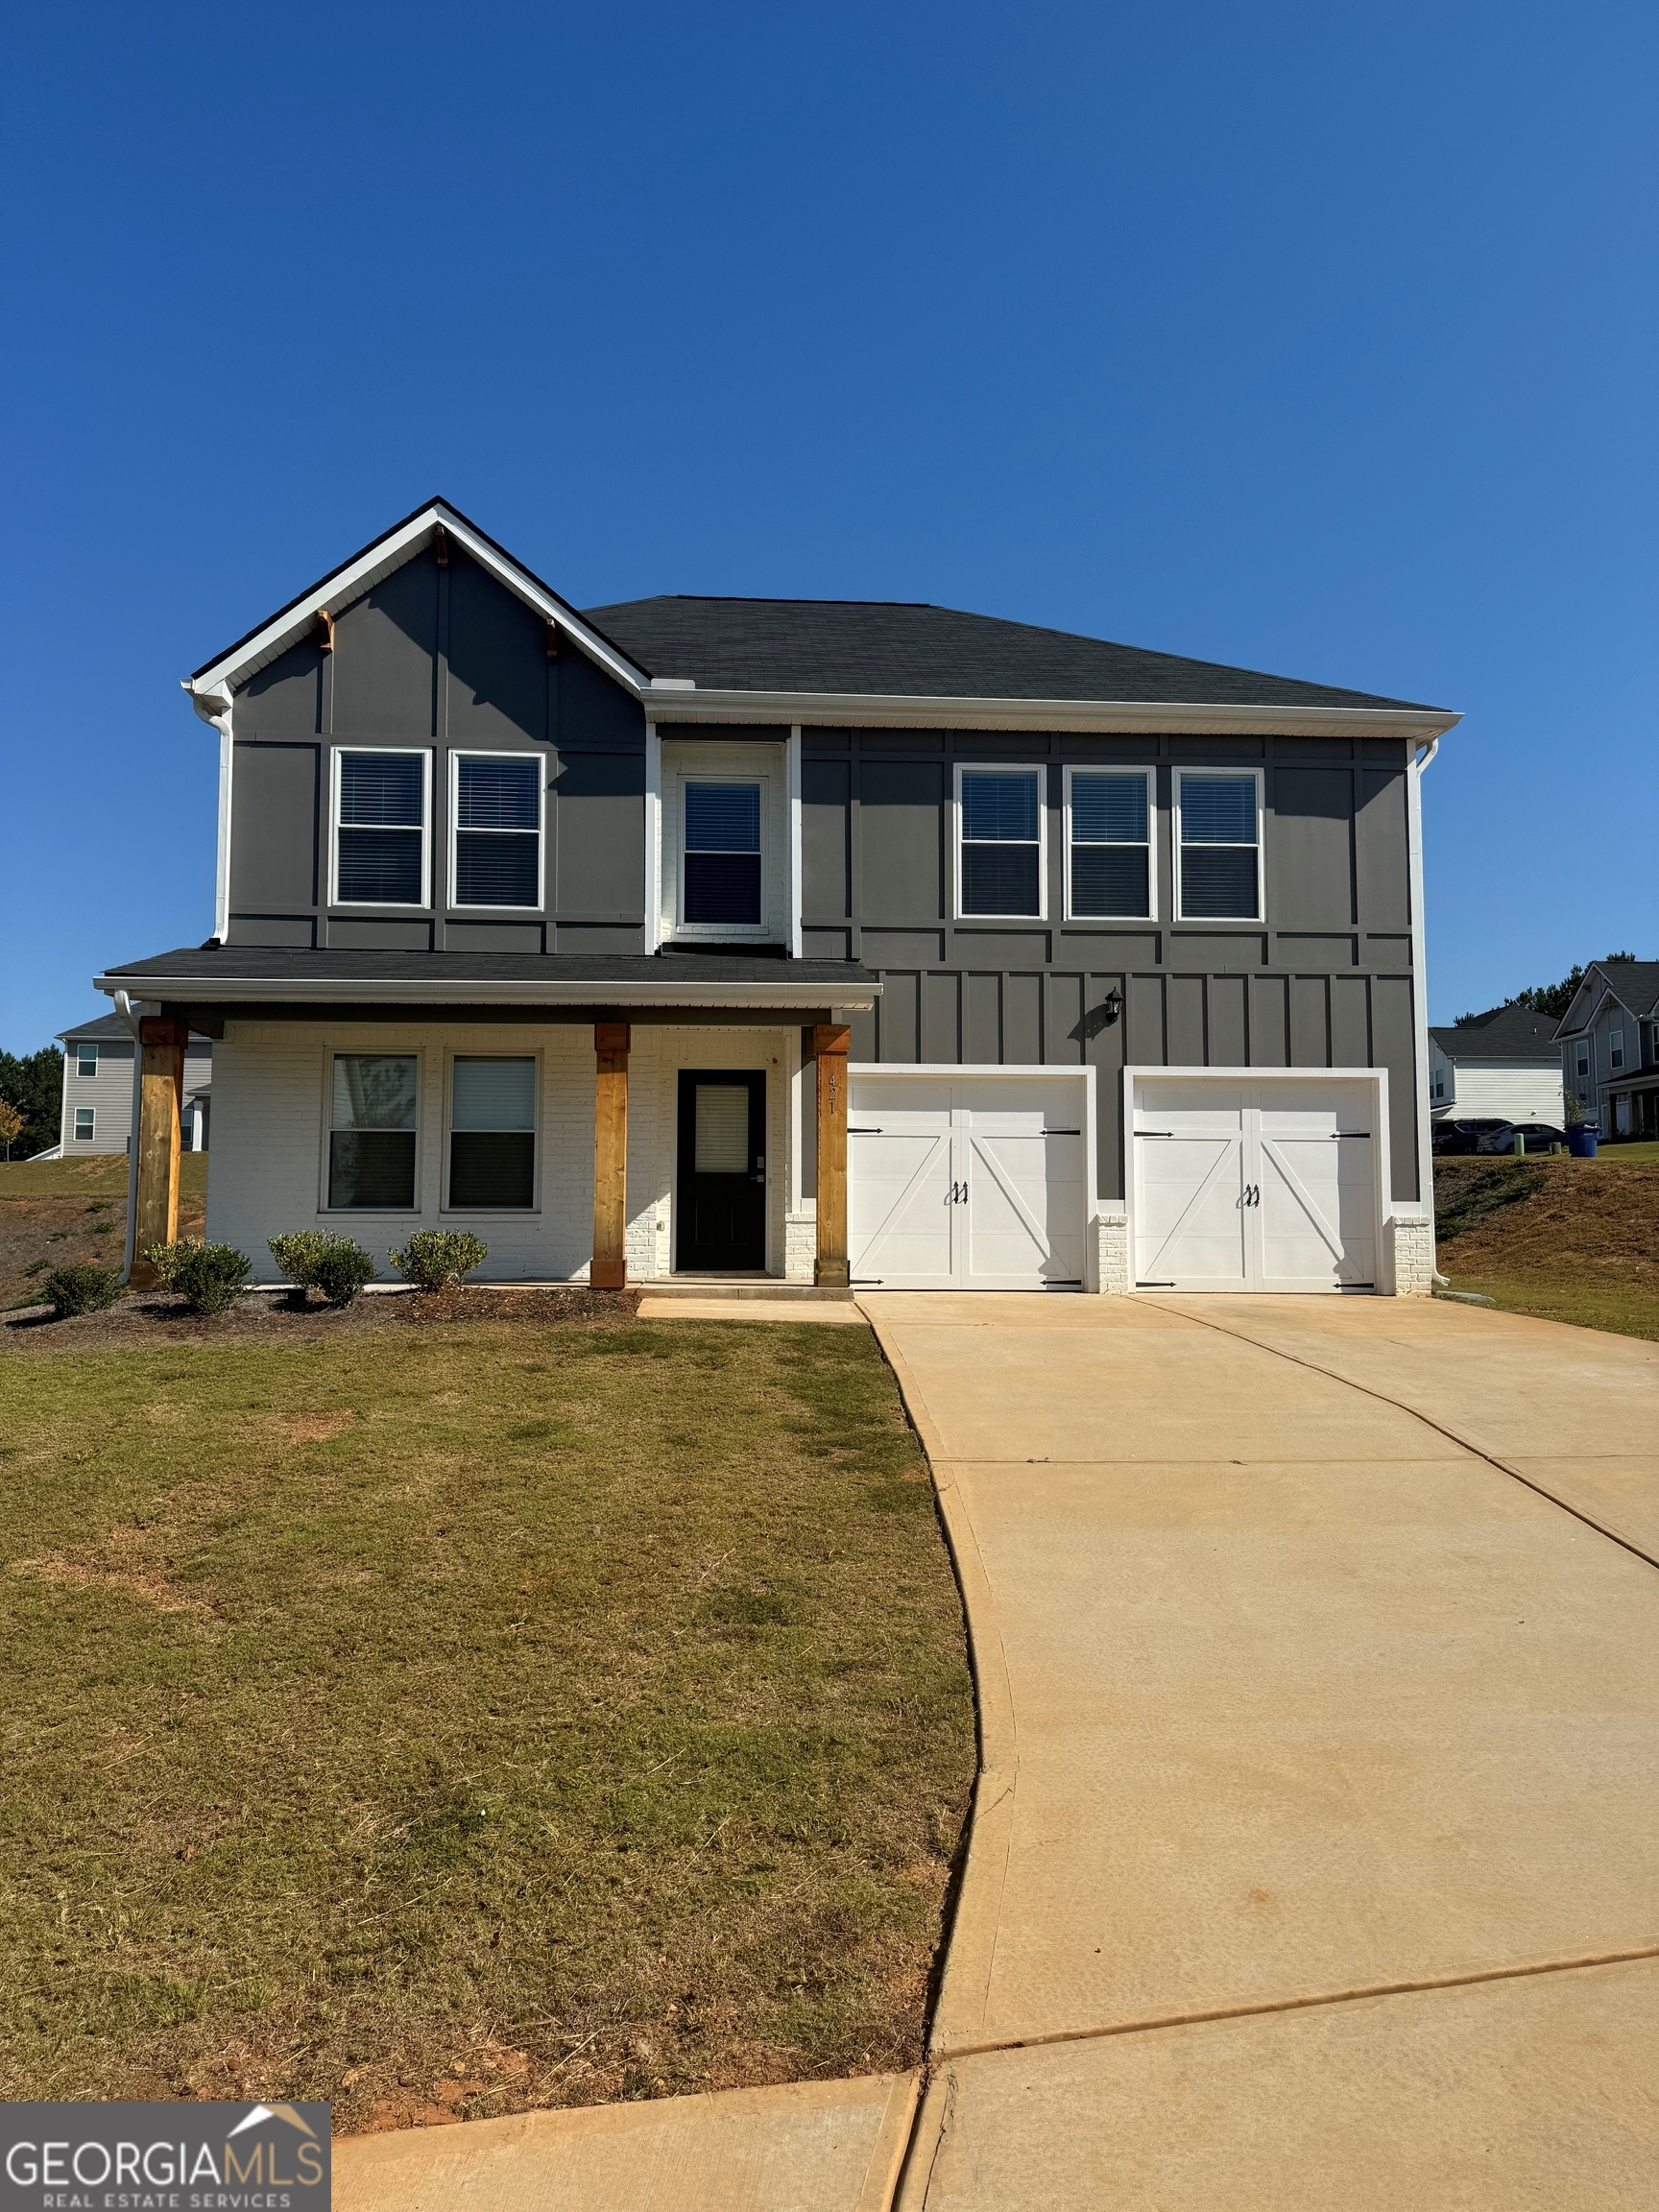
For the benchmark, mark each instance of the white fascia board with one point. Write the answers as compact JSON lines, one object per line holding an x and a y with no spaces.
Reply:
{"x":379,"y":560}
{"x":849,"y":710}
{"x":203,"y":990}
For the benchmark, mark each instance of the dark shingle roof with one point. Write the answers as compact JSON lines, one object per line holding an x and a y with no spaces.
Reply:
{"x":896,"y":648}
{"x":110,"y":1025}
{"x":1634,"y":983}
{"x":1507,"y":1033}
{"x":227,"y":966}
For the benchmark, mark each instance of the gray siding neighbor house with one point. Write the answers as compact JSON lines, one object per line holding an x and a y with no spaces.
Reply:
{"x":98,"y":1090}
{"x":1503,"y":1066}
{"x":1609,"y":1045}
{"x":827,"y":941}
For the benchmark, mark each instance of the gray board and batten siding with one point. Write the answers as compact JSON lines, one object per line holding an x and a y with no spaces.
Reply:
{"x":443,"y":659}
{"x":1324,"y":980}
{"x":444,"y":656}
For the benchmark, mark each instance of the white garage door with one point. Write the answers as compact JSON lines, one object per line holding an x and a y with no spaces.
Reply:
{"x":966,"y":1183}
{"x":1255,"y":1185}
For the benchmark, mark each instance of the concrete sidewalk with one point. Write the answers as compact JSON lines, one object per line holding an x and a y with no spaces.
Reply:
{"x":1316,"y":1855}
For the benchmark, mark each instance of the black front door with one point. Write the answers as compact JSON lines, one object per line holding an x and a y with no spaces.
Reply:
{"x":722,"y":1204}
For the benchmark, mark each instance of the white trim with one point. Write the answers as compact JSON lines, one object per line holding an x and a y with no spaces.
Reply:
{"x":492,"y":991}
{"x":653,"y":839}
{"x":907,"y":710}
{"x":226,"y":768}
{"x":793,"y":892}
{"x":1038,"y":769}
{"x":1177,"y":775}
{"x":446,"y":1205}
{"x":388,"y":553}
{"x":1236,"y":1078}
{"x":420,"y":906}
{"x":1419,"y":763}
{"x":460,"y":753}
{"x":92,"y":1113}
{"x":1103,"y":768}
{"x":332,"y":1051}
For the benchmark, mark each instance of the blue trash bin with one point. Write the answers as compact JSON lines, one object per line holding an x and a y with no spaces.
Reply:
{"x":1581,"y":1141}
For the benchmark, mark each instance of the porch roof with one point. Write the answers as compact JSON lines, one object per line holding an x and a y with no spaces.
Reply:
{"x":253,"y":976}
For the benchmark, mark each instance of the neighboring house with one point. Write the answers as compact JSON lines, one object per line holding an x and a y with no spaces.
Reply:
{"x":97,"y":1079}
{"x":1504,"y":1065}
{"x":1609,"y":1045}
{"x":563,"y":927}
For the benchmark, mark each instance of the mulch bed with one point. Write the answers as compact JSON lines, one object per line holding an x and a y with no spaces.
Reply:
{"x":152,"y":1317}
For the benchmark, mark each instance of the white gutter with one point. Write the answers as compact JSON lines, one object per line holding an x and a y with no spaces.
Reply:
{"x":403,"y":990}
{"x":898,"y":710}
{"x":215,"y":706}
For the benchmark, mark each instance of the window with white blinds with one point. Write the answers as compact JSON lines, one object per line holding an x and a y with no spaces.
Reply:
{"x":1108,"y":843}
{"x":1218,"y":844}
{"x":493,"y":1133}
{"x":380,"y":829}
{"x":1000,"y":868}
{"x":497,"y":804}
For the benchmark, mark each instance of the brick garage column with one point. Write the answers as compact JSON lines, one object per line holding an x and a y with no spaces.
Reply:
{"x":609,"y":1270}
{"x":829,"y":1049}
{"x":161,"y":1046}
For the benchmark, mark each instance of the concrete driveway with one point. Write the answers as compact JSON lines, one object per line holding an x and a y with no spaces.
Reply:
{"x":1315,"y":1858}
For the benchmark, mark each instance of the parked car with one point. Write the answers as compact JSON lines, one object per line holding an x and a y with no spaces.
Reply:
{"x":1462,"y":1136}
{"x":1538,"y":1136}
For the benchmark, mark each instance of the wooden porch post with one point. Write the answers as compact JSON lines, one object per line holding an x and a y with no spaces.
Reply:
{"x":161,"y":1046}
{"x":830,"y":1048}
{"x":609,"y":1269}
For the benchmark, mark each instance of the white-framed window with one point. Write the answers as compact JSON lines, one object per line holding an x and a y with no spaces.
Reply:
{"x":373,"y":1124}
{"x":1110,"y":871}
{"x":86,"y":1059}
{"x":1581,"y":1057}
{"x":491,"y":1166}
{"x":383,"y":812}
{"x":496,"y":830}
{"x":1614,"y":1047}
{"x":722,"y":874}
{"x":85,"y":1123}
{"x":1002,"y":861}
{"x":1218,"y":844}
{"x":1440,"y":1086}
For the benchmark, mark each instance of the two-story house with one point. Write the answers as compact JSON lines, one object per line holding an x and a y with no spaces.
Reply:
{"x":100,"y":1089}
{"x":1609,"y":1043}
{"x":1503,"y":1066}
{"x":826,"y":941}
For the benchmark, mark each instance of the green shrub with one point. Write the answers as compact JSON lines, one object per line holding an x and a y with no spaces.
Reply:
{"x":341,"y":1271}
{"x":207,"y":1277}
{"x":168,"y":1259}
{"x":298,"y":1253}
{"x":82,"y":1289}
{"x":434,"y":1257}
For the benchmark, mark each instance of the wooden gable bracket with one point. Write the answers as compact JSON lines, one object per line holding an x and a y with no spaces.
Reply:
{"x":441,"y":546}
{"x":552,"y":640}
{"x":325,"y":630}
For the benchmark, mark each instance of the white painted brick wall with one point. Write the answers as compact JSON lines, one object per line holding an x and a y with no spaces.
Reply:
{"x":1412,"y":1247}
{"x":800,"y":1247}
{"x":1114,"y":1276}
{"x":270,"y":1140}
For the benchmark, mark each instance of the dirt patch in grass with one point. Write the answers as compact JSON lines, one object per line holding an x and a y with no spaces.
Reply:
{"x":282,"y":1316}
{"x":1569,"y":1240}
{"x":53,"y":1211}
{"x":497,"y":1715}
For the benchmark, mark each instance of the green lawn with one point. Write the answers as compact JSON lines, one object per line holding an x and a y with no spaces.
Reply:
{"x":1627,"y":1310}
{"x":462,"y":1716}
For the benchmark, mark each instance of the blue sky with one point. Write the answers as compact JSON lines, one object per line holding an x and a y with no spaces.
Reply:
{"x":1316,"y":338}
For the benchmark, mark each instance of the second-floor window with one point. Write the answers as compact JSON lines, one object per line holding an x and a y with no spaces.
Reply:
{"x":380,"y":829}
{"x":497,"y":811}
{"x":720,"y":879}
{"x":999,"y":871}
{"x":85,"y":1059}
{"x":1614,"y":1047}
{"x":1110,"y":852}
{"x":1218,"y":846}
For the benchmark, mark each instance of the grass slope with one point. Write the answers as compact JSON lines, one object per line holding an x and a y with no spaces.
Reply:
{"x":451,"y":1720}
{"x":1569,"y":1239}
{"x":55,"y":1211}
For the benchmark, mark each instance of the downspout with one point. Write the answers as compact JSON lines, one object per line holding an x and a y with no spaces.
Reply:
{"x":1421,"y":761}
{"x":124,"y":1007}
{"x":216,"y":709}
